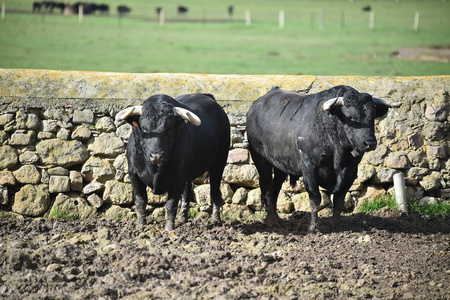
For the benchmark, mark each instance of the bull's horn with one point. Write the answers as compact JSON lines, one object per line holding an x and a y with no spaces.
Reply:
{"x":129,"y":111}
{"x":338,"y":101}
{"x":187,"y":115}
{"x":386,"y":103}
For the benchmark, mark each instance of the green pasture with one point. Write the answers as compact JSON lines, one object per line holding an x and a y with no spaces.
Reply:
{"x":207,"y":40}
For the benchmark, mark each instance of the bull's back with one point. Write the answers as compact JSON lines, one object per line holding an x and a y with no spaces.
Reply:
{"x":273,"y":123}
{"x":209,"y":142}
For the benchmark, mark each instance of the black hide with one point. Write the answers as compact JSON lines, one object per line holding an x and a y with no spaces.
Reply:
{"x":165,"y":152}
{"x":290,"y":134}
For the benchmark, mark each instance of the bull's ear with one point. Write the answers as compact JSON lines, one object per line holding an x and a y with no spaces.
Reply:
{"x":187,"y":115}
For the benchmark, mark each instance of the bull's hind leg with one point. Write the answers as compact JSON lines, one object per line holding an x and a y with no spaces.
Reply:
{"x":186,"y":198}
{"x":266,"y":185}
{"x":215,"y":177}
{"x":278,"y":178}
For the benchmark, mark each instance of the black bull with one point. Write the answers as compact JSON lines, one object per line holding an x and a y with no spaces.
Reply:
{"x":174,"y":141}
{"x":321,"y":137}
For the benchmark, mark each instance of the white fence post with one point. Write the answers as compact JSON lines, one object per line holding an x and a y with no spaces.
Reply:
{"x":281,"y":19}
{"x":400,"y":191}
{"x":248,"y":18}
{"x":3,"y":10}
{"x":80,"y":13}
{"x":416,"y":21}
{"x":371,"y":20}
{"x":162,"y":18}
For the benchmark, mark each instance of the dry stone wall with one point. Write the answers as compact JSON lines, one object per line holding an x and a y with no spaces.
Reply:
{"x":61,"y":152}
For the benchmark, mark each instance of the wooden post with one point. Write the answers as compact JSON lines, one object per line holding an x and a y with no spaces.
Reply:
{"x":281,"y":19}
{"x":3,"y":10}
{"x":162,"y":18}
{"x":80,"y":13}
{"x":400,"y":192}
{"x":371,"y":20}
{"x":416,"y":21}
{"x":248,"y":18}
{"x":321,"y":19}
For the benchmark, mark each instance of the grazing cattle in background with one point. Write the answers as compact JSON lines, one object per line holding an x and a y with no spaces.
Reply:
{"x":58,"y":5}
{"x":321,"y":137}
{"x":182,"y":10}
{"x":88,"y":8}
{"x":158,"y":10}
{"x":37,"y":6}
{"x":122,"y":10}
{"x":174,"y":141}
{"x":367,"y":8}
{"x":230,"y":11}
{"x":103,"y":9}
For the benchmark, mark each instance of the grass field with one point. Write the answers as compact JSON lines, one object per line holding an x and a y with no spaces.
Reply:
{"x":197,"y":43}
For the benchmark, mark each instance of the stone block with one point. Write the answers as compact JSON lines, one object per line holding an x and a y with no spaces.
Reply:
{"x":72,"y":206}
{"x":7,"y":178}
{"x":254,"y":199}
{"x":59,"y":184}
{"x":62,"y":153}
{"x":97,"y":169}
{"x":76,"y":181}
{"x":32,"y":200}
{"x":23,"y":138}
{"x":237,"y":156}
{"x":241,"y":175}
{"x":107,"y":144}
{"x":81,"y":133}
{"x":83,"y":116}
{"x":27,"y":174}
{"x":118,"y":192}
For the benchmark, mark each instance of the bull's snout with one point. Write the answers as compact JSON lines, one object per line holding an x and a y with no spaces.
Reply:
{"x":370,"y":145}
{"x":155,"y":158}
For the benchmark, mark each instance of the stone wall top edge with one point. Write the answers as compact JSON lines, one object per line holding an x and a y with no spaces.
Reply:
{"x":106,"y":90}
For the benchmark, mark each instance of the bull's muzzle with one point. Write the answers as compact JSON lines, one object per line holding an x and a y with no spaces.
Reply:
{"x":156,"y":158}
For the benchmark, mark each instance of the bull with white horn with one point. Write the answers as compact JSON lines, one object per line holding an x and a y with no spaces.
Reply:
{"x":174,"y":141}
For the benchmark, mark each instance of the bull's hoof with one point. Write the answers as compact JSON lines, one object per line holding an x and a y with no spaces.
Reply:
{"x":141,"y":221}
{"x":169,"y":226}
{"x":272,"y":221}
{"x":183,"y":219}
{"x":216,"y":217}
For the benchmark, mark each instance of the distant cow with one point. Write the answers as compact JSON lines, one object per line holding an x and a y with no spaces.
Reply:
{"x":182,"y":10}
{"x":367,"y":8}
{"x":122,"y":10}
{"x":37,"y":6}
{"x":58,"y":5}
{"x":158,"y":10}
{"x":174,"y":141}
{"x":103,"y":9}
{"x":230,"y":10}
{"x":321,"y":137}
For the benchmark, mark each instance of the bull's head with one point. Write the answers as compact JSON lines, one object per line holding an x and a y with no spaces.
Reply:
{"x":357,"y":112}
{"x":159,"y":123}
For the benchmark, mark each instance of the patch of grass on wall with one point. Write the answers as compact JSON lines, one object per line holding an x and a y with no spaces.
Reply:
{"x":434,"y":210}
{"x":61,"y":214}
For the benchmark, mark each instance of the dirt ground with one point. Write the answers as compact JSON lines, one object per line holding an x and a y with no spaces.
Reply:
{"x":433,"y":53}
{"x":382,"y":256}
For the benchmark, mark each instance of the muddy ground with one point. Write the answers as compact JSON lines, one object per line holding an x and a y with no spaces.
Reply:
{"x":382,"y":256}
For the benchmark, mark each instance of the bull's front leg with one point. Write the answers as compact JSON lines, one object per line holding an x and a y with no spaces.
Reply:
{"x":141,"y":198}
{"x":186,"y":198}
{"x":172,"y":207}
